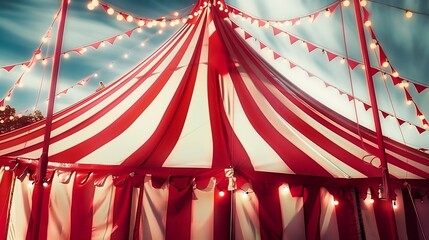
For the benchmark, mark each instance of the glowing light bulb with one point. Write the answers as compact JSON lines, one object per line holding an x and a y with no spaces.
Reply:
{"x":7,"y":98}
{"x":368,"y":23}
{"x":221,"y":193}
{"x":245,"y":195}
{"x":7,"y":168}
{"x":425,"y":126}
{"x":44,"y":62}
{"x":96,"y":75}
{"x":184,"y":20}
{"x":335,"y":202}
{"x":327,"y":13}
{"x":176,"y":14}
{"x":395,"y":206}
{"x":363,"y":3}
{"x":342,"y":61}
{"x":45,"y":184}
{"x":2,"y":121}
{"x":119,"y":17}
{"x":111,"y":65}
{"x":409,"y":101}
{"x":363,"y":67}
{"x":130,"y":18}
{"x":162,"y":24}
{"x":11,"y":118}
{"x":285,"y":189}
{"x":408,"y":14}
{"x":160,"y":31}
{"x":421,"y":116}
{"x":311,"y":18}
{"x":95,"y":3}
{"x":110,"y":11}
{"x":140,"y":23}
{"x":373,"y":45}
{"x":395,"y":74}
{"x":371,"y":200}
{"x":2,"y":108}
{"x":38,"y":56}
{"x":142,"y":44}
{"x":126,"y":55}
{"x":149,"y":24}
{"x":102,"y":44}
{"x":120,"y":37}
{"x":346,"y":3}
{"x":139,"y":30}
{"x":385,"y":64}
{"x":90,"y":6}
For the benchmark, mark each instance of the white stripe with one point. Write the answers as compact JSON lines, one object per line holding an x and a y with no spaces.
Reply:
{"x":102,"y":204}
{"x":59,"y":210}
{"x":202,"y":215}
{"x":20,"y":209}
{"x":292,"y":214}
{"x":401,"y":227}
{"x":155,"y":203}
{"x":328,"y":218}
{"x":246,"y":215}
{"x":368,"y":218}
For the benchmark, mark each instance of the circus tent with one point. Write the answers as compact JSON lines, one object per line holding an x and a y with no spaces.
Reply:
{"x":207,"y":139}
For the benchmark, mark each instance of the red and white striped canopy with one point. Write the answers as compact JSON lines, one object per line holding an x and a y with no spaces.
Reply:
{"x":205,"y":100}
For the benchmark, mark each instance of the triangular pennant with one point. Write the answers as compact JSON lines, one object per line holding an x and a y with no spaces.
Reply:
{"x":294,"y":21}
{"x":261,"y":23}
{"x":63,"y":91}
{"x":247,"y":35}
{"x":372,"y":33}
{"x":309,"y":74}
{"x":252,"y":20}
{"x":330,"y":55}
{"x":234,"y":25}
{"x":96,"y":45}
{"x":292,"y":65}
{"x":276,"y":55}
{"x":407,"y":95}
{"x":350,"y":97}
{"x":366,"y":15}
{"x":353,"y":64}
{"x":261,"y":45}
{"x":293,"y":39}
{"x":333,"y":7}
{"x":327,"y":84}
{"x":420,"y":130}
{"x":366,"y":106}
{"x":382,"y":56}
{"x":396,"y":80}
{"x":105,"y":7}
{"x":373,"y":71}
{"x":419,"y":88}
{"x":111,"y":40}
{"x":341,"y":92}
{"x":384,"y":114}
{"x":315,"y":15}
{"x":276,"y":31}
{"x":310,"y":47}
{"x":400,"y":121}
{"x":2,"y":102}
{"x":129,"y":32}
{"x":418,"y":112}
{"x":124,"y":15}
{"x":8,"y":68}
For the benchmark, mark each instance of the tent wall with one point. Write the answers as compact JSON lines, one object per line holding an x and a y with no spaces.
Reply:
{"x":87,"y":206}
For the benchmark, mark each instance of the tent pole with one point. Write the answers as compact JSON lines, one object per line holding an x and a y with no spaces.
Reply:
{"x":385,"y":187}
{"x":43,"y":162}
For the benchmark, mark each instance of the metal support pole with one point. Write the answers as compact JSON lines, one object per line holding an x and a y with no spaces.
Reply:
{"x":385,"y":190}
{"x":43,"y":162}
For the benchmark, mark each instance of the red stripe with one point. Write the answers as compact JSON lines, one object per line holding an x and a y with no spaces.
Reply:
{"x":136,"y":232}
{"x":179,"y":212}
{"x":6,"y":181}
{"x":43,"y":228}
{"x":346,"y":219}
{"x":222,"y":215}
{"x":312,"y":211}
{"x":270,"y":216}
{"x":385,"y":219}
{"x":122,"y":211}
{"x":81,"y":209}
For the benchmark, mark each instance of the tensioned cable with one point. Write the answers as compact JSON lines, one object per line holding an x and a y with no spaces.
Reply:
{"x":400,"y":8}
{"x":350,"y":79}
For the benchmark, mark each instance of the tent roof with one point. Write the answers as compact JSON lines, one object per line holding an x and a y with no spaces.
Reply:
{"x":212,"y":97}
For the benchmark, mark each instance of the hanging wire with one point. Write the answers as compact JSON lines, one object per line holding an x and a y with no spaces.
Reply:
{"x":350,"y":79}
{"x":400,"y":8}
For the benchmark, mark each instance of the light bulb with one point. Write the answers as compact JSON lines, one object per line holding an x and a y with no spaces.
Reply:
{"x":45,"y":184}
{"x":394,"y":204}
{"x":162,"y":24}
{"x":142,"y":44}
{"x":409,"y":101}
{"x":408,"y":14}
{"x":395,"y":74}
{"x":120,"y":37}
{"x":2,"y":108}
{"x":346,"y":3}
{"x":425,"y":126}
{"x":160,"y":31}
{"x":310,"y":18}
{"x":342,"y":61}
{"x":126,"y":55}
{"x":363,"y":3}
{"x":102,"y":44}
{"x":140,"y":23}
{"x":422,"y":116}
{"x":110,"y":11}
{"x":130,"y":18}
{"x":90,"y":6}
{"x":336,"y":202}
{"x":327,"y":13}
{"x":38,"y":56}
{"x":139,"y":30}
{"x":368,"y":23}
{"x":221,"y":193}
{"x":176,"y":14}
{"x":373,"y":45}
{"x":7,"y":168}
{"x":119,"y":17}
{"x":385,"y":64}
{"x":11,"y":118}
{"x":245,"y":195}
{"x":149,"y":24}
{"x":44,"y":62}
{"x":371,"y":200}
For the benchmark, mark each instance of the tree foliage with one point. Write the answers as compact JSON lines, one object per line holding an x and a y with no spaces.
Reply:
{"x":10,"y":120}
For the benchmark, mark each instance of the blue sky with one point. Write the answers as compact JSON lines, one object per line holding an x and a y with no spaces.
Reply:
{"x":23,"y":23}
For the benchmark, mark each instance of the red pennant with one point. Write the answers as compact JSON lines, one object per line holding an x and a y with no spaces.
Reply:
{"x":252,"y":20}
{"x":276,"y":55}
{"x":129,"y":32}
{"x":234,"y":25}
{"x":63,"y":91}
{"x":419,"y":113}
{"x":420,"y":130}
{"x":333,"y":7}
{"x":315,"y":16}
{"x":261,"y":23}
{"x":111,"y":40}
{"x":247,"y":35}
{"x":407,"y":95}
{"x":341,"y":92}
{"x":310,"y":47}
{"x":330,"y":55}
{"x":262,"y":46}
{"x":2,"y":103}
{"x":105,"y":7}
{"x":350,"y":97}
{"x":276,"y":31}
{"x":384,"y":114}
{"x":327,"y":84}
{"x":96,"y":45}
{"x":124,"y":15}
{"x":309,"y":74}
{"x":373,"y":71}
{"x":293,"y":39}
{"x":366,"y":106}
{"x":366,"y":15}
{"x":8,"y":68}
{"x":396,"y":80}
{"x":293,"y":21}
{"x":372,"y":33}
{"x":382,"y":55}
{"x":419,"y":88}
{"x":353,"y":64}
{"x":400,"y":121}
{"x":292,"y":65}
